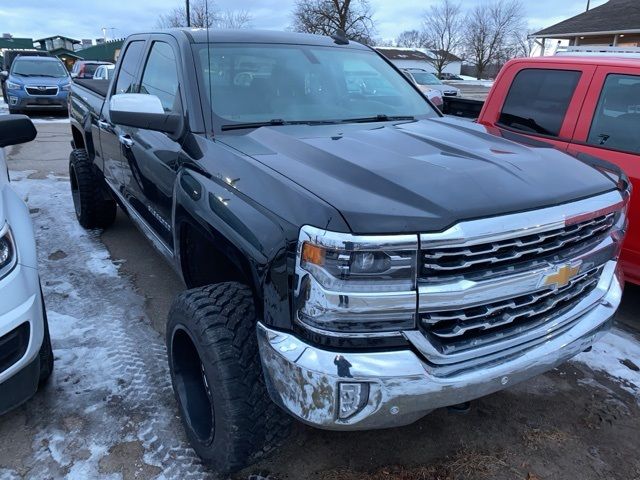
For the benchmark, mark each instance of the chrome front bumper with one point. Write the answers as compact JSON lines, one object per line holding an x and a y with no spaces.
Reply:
{"x":402,"y":386}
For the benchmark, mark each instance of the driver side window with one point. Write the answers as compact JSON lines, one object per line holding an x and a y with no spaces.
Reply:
{"x":160,"y":77}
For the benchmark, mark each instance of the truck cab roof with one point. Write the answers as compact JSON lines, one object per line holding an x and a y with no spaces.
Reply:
{"x":199,"y":35}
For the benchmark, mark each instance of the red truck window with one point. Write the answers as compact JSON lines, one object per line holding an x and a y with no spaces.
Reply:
{"x":538,"y":100}
{"x":616,"y":121}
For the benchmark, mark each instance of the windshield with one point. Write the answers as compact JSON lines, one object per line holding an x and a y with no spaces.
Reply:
{"x":425,"y":78}
{"x":38,"y":68}
{"x":300,"y":83}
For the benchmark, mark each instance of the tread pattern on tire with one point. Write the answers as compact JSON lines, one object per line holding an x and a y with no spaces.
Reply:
{"x":96,"y":210}
{"x":224,"y":317}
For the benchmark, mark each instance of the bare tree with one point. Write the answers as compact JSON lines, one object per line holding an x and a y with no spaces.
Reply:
{"x":443,"y":32}
{"x":410,"y":39}
{"x":326,"y":17}
{"x":235,"y":19}
{"x":205,"y":14}
{"x":489,"y":28}
{"x":522,"y":43}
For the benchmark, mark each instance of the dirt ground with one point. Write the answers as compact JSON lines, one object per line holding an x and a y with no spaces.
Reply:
{"x":571,"y":423}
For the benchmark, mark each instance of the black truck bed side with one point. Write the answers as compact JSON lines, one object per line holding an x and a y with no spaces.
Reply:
{"x":99,"y":87}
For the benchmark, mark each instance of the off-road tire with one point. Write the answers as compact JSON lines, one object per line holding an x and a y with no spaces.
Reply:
{"x":46,"y":352}
{"x":211,"y":332}
{"x":94,"y":208}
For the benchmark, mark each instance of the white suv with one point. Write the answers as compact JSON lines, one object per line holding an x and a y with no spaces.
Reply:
{"x":26,"y":358}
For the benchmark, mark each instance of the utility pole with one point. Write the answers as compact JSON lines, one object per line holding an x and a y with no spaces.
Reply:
{"x":188,"y":14}
{"x":588,"y":4}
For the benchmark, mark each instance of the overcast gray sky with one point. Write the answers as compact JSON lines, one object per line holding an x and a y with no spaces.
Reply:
{"x":85,"y":18}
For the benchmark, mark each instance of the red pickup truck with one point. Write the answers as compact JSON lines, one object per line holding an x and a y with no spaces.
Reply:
{"x":579,"y":104}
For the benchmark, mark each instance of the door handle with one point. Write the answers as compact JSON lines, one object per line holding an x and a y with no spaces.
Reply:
{"x":126,"y":140}
{"x":103,"y":125}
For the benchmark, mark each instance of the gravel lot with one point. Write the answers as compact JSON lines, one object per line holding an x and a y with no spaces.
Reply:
{"x":108,"y":411}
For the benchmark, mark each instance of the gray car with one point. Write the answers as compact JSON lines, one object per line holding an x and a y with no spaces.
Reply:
{"x":428,"y":79}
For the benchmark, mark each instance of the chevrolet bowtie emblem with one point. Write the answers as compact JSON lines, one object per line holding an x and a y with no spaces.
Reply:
{"x":563,"y":276}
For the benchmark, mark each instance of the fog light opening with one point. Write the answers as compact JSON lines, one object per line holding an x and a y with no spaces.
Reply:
{"x":13,"y":100}
{"x":352,"y":399}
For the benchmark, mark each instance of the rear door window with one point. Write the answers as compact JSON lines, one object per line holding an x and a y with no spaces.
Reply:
{"x":538,"y":100}
{"x":129,"y":68}
{"x":616,"y":122}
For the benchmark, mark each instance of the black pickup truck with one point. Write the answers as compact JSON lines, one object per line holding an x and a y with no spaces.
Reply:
{"x":350,"y":256}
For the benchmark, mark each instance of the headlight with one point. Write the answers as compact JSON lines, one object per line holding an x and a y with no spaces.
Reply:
{"x":8,"y":256}
{"x":13,"y":86}
{"x":66,"y":87}
{"x":352,"y":285}
{"x":359,"y":263}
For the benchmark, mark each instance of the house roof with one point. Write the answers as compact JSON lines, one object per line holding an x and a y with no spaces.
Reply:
{"x":404,"y":54}
{"x":615,"y":16}
{"x":105,"y":52}
{"x":17,"y":43}
{"x":448,"y":55}
{"x":72,"y":40}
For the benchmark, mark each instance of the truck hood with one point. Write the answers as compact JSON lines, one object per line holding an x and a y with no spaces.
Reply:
{"x":421,"y":176}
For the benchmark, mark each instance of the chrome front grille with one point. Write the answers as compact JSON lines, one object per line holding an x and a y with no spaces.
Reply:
{"x":452,"y":331}
{"x":446,"y":261}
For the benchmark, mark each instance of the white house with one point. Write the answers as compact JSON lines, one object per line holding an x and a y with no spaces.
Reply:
{"x":419,"y":58}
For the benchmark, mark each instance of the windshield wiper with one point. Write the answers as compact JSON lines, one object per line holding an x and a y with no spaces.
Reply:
{"x":381,"y":118}
{"x":276,"y":122}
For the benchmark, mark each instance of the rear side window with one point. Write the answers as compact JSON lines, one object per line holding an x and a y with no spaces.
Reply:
{"x":616,"y":123}
{"x":128,"y":67}
{"x":160,"y":77}
{"x":538,"y":100}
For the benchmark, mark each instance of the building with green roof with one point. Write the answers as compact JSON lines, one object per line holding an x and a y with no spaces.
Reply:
{"x":103,"y":52}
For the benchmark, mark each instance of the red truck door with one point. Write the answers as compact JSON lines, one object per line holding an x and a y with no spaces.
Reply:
{"x":539,"y":100}
{"x":609,"y":128}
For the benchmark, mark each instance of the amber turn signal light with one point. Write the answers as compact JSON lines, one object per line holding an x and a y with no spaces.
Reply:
{"x":313,"y":254}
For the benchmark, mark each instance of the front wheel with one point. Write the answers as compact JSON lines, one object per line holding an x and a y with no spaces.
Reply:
{"x":217,"y":377}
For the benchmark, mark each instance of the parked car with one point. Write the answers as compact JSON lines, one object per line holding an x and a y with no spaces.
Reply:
{"x":37,"y":83}
{"x":26,"y":358}
{"x":435,"y":96}
{"x":85,"y":69}
{"x":583,"y":105}
{"x":8,"y":56}
{"x":450,"y":76}
{"x":104,"y":72}
{"x":352,"y":258}
{"x":427,"y":80}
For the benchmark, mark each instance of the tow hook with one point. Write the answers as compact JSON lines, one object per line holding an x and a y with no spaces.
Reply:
{"x":460,"y":409}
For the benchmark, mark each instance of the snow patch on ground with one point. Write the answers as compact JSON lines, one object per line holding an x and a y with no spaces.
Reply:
{"x":618,"y":355}
{"x":111,"y":383}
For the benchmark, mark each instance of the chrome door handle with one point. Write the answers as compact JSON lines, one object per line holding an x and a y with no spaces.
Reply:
{"x":103,"y":125}
{"x":126,"y":140}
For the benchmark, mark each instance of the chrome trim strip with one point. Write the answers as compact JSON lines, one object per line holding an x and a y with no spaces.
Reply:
{"x":348,"y":241}
{"x":468,"y":293}
{"x":515,"y":225}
